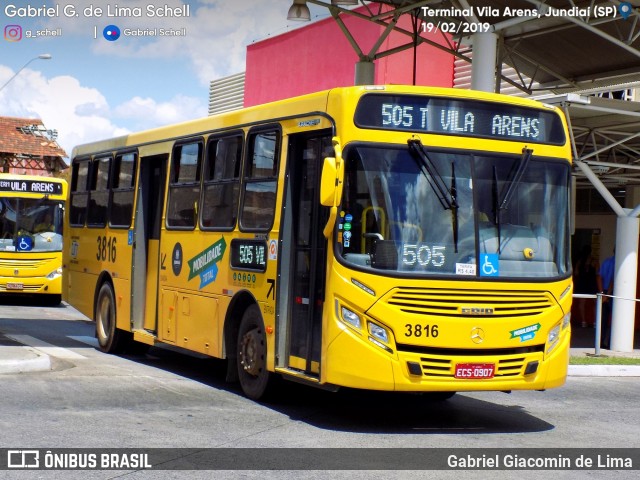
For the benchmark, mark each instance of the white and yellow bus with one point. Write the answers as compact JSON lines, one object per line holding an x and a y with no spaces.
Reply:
{"x":31,"y":219}
{"x":387,"y":238}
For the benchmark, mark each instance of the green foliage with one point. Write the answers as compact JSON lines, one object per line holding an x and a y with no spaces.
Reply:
{"x":603,"y":360}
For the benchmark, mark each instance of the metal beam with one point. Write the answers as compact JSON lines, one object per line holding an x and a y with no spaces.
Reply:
{"x":592,"y":29}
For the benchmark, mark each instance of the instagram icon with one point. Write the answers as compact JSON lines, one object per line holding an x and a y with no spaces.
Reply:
{"x":13,"y":33}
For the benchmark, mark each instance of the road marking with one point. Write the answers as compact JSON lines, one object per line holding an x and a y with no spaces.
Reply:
{"x":92,"y":341}
{"x":46,"y":348}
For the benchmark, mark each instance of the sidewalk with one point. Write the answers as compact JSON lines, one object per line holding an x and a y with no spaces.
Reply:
{"x":18,"y":358}
{"x":583,"y":344}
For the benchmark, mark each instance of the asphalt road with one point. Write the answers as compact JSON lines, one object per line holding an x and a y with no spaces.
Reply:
{"x":169,"y":400}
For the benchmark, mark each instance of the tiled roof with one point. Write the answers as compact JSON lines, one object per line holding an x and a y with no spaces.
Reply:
{"x":13,"y":140}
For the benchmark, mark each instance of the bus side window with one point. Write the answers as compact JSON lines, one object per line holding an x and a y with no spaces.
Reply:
{"x":79,"y":194}
{"x":260,"y":181}
{"x":221,"y":183}
{"x":184,"y":186}
{"x":99,"y":192}
{"x":122,"y":190}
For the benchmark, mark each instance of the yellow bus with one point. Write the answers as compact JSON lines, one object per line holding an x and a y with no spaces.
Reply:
{"x":387,"y":238}
{"x":31,"y":219}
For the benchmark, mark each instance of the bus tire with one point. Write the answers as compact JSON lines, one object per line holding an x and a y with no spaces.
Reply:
{"x":252,"y":354}
{"x":110,"y":339}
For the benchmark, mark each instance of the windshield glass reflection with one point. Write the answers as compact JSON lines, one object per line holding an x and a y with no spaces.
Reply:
{"x":30,"y":225}
{"x":454,"y":213}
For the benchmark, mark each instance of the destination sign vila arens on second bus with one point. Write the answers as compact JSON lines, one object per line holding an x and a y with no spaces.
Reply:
{"x":31,"y":186}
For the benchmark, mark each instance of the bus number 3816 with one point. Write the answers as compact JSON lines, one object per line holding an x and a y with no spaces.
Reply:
{"x":421,"y":331}
{"x":106,"y":249}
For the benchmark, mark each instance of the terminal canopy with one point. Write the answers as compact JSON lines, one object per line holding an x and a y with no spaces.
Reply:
{"x":550,"y":49}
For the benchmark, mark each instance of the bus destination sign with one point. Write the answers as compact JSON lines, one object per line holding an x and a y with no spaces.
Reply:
{"x":31,"y":186}
{"x":248,"y":254}
{"x":459,"y":116}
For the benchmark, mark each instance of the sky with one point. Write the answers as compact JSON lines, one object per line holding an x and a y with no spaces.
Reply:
{"x":99,"y":85}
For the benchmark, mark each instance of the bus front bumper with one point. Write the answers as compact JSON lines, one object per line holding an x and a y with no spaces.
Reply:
{"x":31,"y":285}
{"x":354,"y":362}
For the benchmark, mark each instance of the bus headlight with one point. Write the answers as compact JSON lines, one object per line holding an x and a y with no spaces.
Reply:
{"x":379,"y":336}
{"x":552,"y":338}
{"x":566,"y":321}
{"x":352,"y":318}
{"x":378,"y":332}
{"x":55,"y":274}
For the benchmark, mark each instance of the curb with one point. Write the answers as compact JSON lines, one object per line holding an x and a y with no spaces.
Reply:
{"x":22,"y":359}
{"x":604,"y":371}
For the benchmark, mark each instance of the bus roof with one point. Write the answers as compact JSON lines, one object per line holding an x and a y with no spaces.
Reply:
{"x":313,"y":102}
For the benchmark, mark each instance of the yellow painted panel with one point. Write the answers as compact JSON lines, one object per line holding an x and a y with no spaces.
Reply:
{"x":153,"y":248}
{"x":167,"y":323}
{"x":197,"y":324}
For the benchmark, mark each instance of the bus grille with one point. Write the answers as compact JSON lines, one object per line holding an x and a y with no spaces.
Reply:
{"x":442,"y":367}
{"x":24,"y":264}
{"x":469,"y":303}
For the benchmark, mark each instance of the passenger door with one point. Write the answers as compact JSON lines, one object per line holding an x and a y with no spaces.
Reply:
{"x":146,"y":246}
{"x":303,"y":266}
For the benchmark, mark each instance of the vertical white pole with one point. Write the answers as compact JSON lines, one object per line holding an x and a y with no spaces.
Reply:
{"x":624,"y":284}
{"x":483,"y":66}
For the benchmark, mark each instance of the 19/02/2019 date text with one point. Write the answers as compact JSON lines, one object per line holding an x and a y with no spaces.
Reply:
{"x":456,"y":28}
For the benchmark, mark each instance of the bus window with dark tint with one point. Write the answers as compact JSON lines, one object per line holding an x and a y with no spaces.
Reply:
{"x":122,"y":190}
{"x":99,"y":192}
{"x":79,"y":195}
{"x":261,"y":181}
{"x":221,"y":183}
{"x":184,"y":187}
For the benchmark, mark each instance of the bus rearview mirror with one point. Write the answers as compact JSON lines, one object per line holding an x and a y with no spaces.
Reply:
{"x":328,"y":182}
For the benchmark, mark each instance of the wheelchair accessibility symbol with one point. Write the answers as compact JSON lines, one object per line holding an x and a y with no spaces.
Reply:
{"x":489,"y":265}
{"x":24,"y":244}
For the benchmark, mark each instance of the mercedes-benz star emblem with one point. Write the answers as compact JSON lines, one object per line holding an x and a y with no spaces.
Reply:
{"x":477,"y":335}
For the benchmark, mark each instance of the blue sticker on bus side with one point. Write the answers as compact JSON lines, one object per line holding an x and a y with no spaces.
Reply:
{"x":204,"y":263}
{"x":489,"y":266}
{"x":208,"y":276}
{"x":130,"y":239}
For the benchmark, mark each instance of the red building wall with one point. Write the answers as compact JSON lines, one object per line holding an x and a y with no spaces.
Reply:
{"x":319,"y":56}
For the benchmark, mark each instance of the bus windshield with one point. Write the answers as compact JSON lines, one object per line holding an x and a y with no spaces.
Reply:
{"x":30,"y":225}
{"x":432,"y":212}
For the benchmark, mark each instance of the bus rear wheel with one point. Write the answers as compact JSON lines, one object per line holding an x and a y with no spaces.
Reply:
{"x":109,"y":337}
{"x":252,"y":354}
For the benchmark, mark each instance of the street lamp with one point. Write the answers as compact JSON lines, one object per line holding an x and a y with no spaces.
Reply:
{"x":299,"y":11}
{"x":43,"y":56}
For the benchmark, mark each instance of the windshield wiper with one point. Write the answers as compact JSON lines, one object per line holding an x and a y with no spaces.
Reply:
{"x":445,"y":195}
{"x":454,"y":207}
{"x":514,"y":180}
{"x":501,"y":202}
{"x":429,"y":170}
{"x":495,"y":197}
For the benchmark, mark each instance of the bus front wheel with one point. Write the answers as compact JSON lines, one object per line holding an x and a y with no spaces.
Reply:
{"x":252,"y":354}
{"x":109,"y":337}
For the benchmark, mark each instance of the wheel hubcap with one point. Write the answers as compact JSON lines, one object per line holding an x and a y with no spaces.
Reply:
{"x":105,"y":316}
{"x":251,"y":352}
